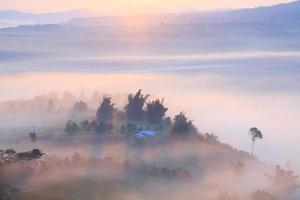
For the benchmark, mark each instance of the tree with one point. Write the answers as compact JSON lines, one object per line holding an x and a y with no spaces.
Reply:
{"x":9,"y":157}
{"x":103,"y":127}
{"x":31,"y":155}
{"x":211,"y":138}
{"x":71,"y":127}
{"x":134,"y":108}
{"x":155,"y":111}
{"x":182,"y":126}
{"x":105,"y":111}
{"x":255,"y":134}
{"x":33,"y":136}
{"x":85,"y":125}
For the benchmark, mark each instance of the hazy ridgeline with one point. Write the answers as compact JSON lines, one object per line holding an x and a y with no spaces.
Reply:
{"x":92,"y":161}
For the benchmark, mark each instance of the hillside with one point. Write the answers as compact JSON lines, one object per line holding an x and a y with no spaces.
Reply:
{"x":112,"y":155}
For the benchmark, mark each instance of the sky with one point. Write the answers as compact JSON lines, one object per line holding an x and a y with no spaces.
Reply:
{"x":129,"y":6}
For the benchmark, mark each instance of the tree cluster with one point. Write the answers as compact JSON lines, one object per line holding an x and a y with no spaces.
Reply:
{"x":155,"y":111}
{"x":72,"y":127}
{"x":135,"y":107}
{"x":9,"y":157}
{"x":155,"y":171}
{"x":138,"y":114}
{"x":182,"y":126}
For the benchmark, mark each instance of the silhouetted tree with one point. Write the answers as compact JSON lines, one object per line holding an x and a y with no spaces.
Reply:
{"x":31,"y":155}
{"x":255,"y":134}
{"x":105,"y":111}
{"x":211,"y":138}
{"x":155,"y":111}
{"x":85,"y":125}
{"x":71,"y":127}
{"x":103,"y":127}
{"x":134,"y":108}
{"x":9,"y":157}
{"x":33,"y":136}
{"x":182,"y":126}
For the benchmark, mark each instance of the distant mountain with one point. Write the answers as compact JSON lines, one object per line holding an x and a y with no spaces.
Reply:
{"x":11,"y":18}
{"x":287,"y":13}
{"x":280,"y":20}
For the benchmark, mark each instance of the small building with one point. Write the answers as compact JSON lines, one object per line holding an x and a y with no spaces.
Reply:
{"x":143,"y":134}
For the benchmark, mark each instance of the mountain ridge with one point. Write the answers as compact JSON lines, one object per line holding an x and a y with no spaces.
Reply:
{"x":13,"y":18}
{"x":284,"y":13}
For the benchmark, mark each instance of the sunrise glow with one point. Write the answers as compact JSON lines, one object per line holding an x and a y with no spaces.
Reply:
{"x":115,"y":7}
